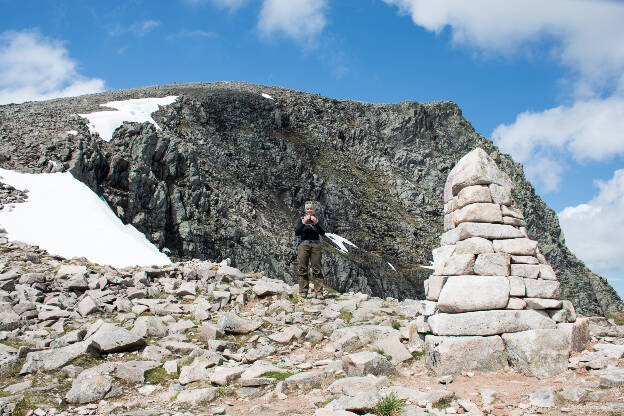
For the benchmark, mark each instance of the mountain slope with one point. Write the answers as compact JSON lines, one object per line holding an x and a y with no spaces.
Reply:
{"x":229,"y":171}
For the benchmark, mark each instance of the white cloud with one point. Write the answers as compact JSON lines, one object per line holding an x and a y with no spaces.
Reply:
{"x":138,"y":29}
{"x":592,"y":229}
{"x":301,"y":20}
{"x":588,"y":130}
{"x":587,"y":34}
{"x":36,"y":68}
{"x":226,"y":4}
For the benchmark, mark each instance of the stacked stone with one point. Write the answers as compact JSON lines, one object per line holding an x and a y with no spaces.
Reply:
{"x":490,"y":280}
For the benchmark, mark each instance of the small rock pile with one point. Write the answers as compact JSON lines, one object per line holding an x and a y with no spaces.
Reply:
{"x":497,"y":299}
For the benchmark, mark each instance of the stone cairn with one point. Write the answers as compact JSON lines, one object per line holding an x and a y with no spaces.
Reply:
{"x":496,"y":298}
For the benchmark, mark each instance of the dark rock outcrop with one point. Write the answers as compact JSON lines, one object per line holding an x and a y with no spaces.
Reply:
{"x":229,"y":171}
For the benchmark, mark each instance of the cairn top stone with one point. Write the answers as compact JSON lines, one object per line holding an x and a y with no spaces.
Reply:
{"x":475,"y":168}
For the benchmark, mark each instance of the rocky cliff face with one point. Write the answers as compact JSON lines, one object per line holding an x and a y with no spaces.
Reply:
{"x":228,"y":174}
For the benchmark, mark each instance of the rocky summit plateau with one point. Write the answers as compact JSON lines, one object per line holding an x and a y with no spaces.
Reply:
{"x":226,"y":169}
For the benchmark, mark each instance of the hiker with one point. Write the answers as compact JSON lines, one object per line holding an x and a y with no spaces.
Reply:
{"x":309,"y":231}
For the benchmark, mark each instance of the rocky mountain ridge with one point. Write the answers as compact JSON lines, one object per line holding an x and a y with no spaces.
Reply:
{"x":229,"y":171}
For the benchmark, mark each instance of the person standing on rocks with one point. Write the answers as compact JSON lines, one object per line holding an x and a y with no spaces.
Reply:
{"x":309,"y":231}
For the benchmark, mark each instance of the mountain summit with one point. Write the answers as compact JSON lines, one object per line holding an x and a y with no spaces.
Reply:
{"x":222,"y":171}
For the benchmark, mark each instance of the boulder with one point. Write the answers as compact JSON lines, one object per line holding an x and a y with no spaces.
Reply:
{"x":475,"y":168}
{"x":223,"y":376}
{"x":53,"y":359}
{"x":440,"y":255}
{"x":458,"y":264}
{"x":518,"y":246}
{"x":149,"y":326}
{"x":112,"y":338}
{"x":524,"y":260}
{"x":367,"y":362}
{"x":612,"y":377}
{"x":544,"y":397}
{"x":473,"y":194}
{"x":433,"y":287}
{"x":547,"y":289}
{"x":197,"y":396}
{"x":540,"y":353}
{"x":577,"y":333}
{"x":479,"y":212}
{"x":473,"y":245}
{"x":492,"y":264}
{"x":484,"y":230}
{"x":89,"y":388}
{"x":351,"y":386}
{"x":394,"y":348}
{"x":87,"y":306}
{"x":454,"y":355}
{"x":307,"y":380}
{"x":134,"y":371}
{"x":530,"y":271}
{"x":500,"y":194}
{"x":546,"y":272}
{"x":539,"y":303}
{"x":233,"y":324}
{"x":474,"y":293}
{"x":488,"y":322}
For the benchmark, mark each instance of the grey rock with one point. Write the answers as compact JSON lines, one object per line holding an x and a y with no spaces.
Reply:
{"x":475,"y":168}
{"x":17,"y":387}
{"x":516,"y":286}
{"x":573,"y":394}
{"x":484,"y":230}
{"x":89,"y":389}
{"x":492,"y":264}
{"x":233,"y":324}
{"x":530,"y":271}
{"x":485,"y":323}
{"x":473,"y":194}
{"x":546,"y":289}
{"x":516,"y":304}
{"x":208,"y":331}
{"x":223,"y":376}
{"x":366,"y":362}
{"x":540,"y":353}
{"x":458,"y":264}
{"x":473,"y":245}
{"x":544,"y":397}
{"x":112,"y":338}
{"x":394,"y":348}
{"x":351,"y":386}
{"x":539,"y":303}
{"x":134,"y":371}
{"x":577,"y":333}
{"x":473,"y":293}
{"x":433,"y":286}
{"x":149,"y":326}
{"x":546,"y":272}
{"x":53,"y":359}
{"x":517,"y":246}
{"x":306,"y":381}
{"x":454,"y":355}
{"x":87,"y":306}
{"x":197,"y":396}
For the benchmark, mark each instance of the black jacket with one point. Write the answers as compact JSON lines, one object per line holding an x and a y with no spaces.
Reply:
{"x":308,"y":231}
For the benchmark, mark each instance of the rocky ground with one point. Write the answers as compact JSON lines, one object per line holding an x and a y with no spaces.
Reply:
{"x":203,"y":338}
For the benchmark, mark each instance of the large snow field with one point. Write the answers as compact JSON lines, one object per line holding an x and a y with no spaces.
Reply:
{"x":63,"y":216}
{"x":137,"y":110}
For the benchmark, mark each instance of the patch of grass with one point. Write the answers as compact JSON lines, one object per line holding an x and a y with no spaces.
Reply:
{"x":4,"y":394}
{"x":618,"y":317}
{"x":346,"y":316}
{"x":277,"y":375}
{"x":22,"y":407}
{"x":185,"y":363}
{"x":158,"y":376}
{"x":389,"y":405}
{"x":443,"y":403}
{"x":418,"y":354}
{"x":295,"y":298}
{"x":324,"y":403}
{"x":146,"y":313}
{"x":15,"y":344}
{"x":396,"y":325}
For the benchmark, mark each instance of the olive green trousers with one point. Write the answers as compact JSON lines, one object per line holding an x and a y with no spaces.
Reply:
{"x":310,"y":253}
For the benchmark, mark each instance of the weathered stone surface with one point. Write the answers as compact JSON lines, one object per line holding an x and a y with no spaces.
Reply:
{"x":516,"y":286}
{"x":612,"y":377}
{"x":90,"y":388}
{"x":197,"y":370}
{"x":475,"y":168}
{"x":286,"y":335}
{"x":134,"y":371}
{"x":223,"y":376}
{"x":433,"y":287}
{"x":208,"y":331}
{"x":474,"y":293}
{"x":474,"y":245}
{"x":539,"y":303}
{"x":458,"y":264}
{"x":484,"y":230}
{"x":472,"y":195}
{"x":529,"y":271}
{"x":307,"y":380}
{"x":87,"y":306}
{"x":546,"y":272}
{"x":53,"y":359}
{"x":267,"y":288}
{"x":440,"y":255}
{"x":492,"y":264}
{"x":351,"y":386}
{"x":393,"y":347}
{"x":197,"y":396}
{"x":573,"y":394}
{"x":367,"y":362}
{"x":479,"y":212}
{"x":454,"y":355}
{"x":488,"y":322}
{"x":544,"y":397}
{"x":233,"y":324}
{"x":516,"y":304}
{"x":524,"y":260}
{"x":149,"y":326}
{"x":70,"y":271}
{"x":577,"y":333}
{"x":112,"y":338}
{"x":500,"y":194}
{"x":517,"y":246}
{"x":540,"y":353}
{"x":547,"y":289}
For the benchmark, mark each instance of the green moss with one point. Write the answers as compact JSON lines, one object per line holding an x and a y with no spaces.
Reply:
{"x":186,"y":362}
{"x":418,"y":354}
{"x":382,"y":352}
{"x":443,"y":403}
{"x":4,"y":394}
{"x":325,"y":402}
{"x":396,"y":324}
{"x":277,"y":375}
{"x":158,"y":375}
{"x":346,"y":316}
{"x":618,"y":318}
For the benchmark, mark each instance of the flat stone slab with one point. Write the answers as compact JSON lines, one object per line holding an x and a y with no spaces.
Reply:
{"x":233,"y":324}
{"x":492,"y":264}
{"x":541,"y":353}
{"x":546,"y":289}
{"x":485,"y":323}
{"x":367,"y":362}
{"x":519,"y":246}
{"x":454,"y":355}
{"x":478,"y":212}
{"x":474,"y":293}
{"x":307,"y":380}
{"x":112,"y":338}
{"x":53,"y":359}
{"x":352,"y":386}
{"x":612,"y":377}
{"x":484,"y":230}
{"x":197,"y":396}
{"x":88,"y":389}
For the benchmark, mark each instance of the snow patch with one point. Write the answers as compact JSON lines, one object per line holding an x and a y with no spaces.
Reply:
{"x":340,"y":242}
{"x":71,"y":132}
{"x":63,"y":216}
{"x":391,"y":266}
{"x":430,"y":266}
{"x":265,"y":95}
{"x":137,"y":110}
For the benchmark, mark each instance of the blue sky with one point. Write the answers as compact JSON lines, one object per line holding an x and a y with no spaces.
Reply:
{"x":544,"y":80}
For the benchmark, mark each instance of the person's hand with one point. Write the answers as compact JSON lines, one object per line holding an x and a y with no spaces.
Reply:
{"x":314,"y":219}
{"x":306,"y":219}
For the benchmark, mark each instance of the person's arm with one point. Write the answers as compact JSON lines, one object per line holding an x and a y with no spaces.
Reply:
{"x":299,"y":227}
{"x":320,"y":228}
